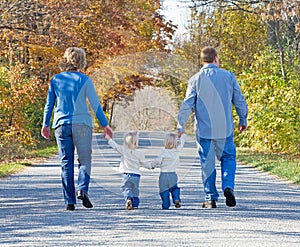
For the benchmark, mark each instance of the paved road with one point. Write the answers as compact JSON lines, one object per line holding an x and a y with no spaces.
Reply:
{"x":32,"y":212}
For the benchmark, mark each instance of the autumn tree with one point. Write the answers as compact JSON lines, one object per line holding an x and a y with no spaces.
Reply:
{"x":34,"y":35}
{"x":258,"y":41}
{"x":281,"y":19}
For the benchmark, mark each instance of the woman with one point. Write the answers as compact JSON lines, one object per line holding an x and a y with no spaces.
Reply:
{"x":72,"y":122}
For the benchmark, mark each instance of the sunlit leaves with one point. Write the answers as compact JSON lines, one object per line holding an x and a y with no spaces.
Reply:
{"x":273,"y":105}
{"x":18,"y":98}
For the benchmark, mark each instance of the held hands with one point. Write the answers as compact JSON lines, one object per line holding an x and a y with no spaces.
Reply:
{"x":153,"y":164}
{"x":107,"y":137}
{"x":45,"y":132}
{"x":108,"y":131}
{"x":180,"y":134}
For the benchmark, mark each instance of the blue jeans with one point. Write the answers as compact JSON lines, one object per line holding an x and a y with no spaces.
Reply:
{"x":130,"y":188}
{"x":69,"y":137}
{"x":167,"y":185}
{"x":225,"y":151}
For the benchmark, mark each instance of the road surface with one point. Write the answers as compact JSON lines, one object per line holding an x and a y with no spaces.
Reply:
{"x":32,"y":210}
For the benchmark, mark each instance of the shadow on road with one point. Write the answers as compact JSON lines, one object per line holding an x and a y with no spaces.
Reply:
{"x":32,"y":210}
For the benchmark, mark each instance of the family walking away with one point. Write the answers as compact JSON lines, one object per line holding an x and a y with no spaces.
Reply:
{"x":210,"y":94}
{"x":131,"y":162}
{"x":68,"y":92}
{"x":168,"y":161}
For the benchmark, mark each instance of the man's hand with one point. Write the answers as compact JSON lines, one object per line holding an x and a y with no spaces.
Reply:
{"x":45,"y":132}
{"x":108,"y":131}
{"x":242,"y":128}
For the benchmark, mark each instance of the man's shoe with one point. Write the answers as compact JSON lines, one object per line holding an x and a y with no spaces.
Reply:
{"x":177,"y":204}
{"x":230,"y":198}
{"x":85,"y":198}
{"x":209,"y":204}
{"x":70,"y":207}
{"x":128,"y":204}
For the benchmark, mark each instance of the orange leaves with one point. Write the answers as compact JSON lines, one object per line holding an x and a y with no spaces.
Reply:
{"x":36,"y":33}
{"x":18,"y":95}
{"x":125,"y":89}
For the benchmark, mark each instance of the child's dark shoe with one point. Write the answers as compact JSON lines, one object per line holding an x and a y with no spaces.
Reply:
{"x":177,"y":204}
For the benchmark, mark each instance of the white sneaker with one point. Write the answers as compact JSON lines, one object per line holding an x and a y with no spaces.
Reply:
{"x":128,"y":204}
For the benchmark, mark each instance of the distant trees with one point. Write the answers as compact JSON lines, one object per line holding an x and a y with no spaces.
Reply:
{"x":259,"y":41}
{"x":127,"y":50}
{"x":151,"y":109}
{"x":33,"y":37}
{"x":281,"y":19}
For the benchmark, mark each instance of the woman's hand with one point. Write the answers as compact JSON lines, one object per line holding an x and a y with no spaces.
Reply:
{"x":45,"y":132}
{"x":108,"y":131}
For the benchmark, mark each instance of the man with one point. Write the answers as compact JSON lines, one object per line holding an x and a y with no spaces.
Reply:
{"x":210,"y":94}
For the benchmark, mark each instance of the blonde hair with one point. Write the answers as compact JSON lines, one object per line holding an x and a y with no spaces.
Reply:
{"x":73,"y":59}
{"x":171,"y":141}
{"x":131,"y":140}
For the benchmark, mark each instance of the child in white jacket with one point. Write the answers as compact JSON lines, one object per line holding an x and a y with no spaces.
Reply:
{"x":168,"y":161}
{"x":131,"y":161}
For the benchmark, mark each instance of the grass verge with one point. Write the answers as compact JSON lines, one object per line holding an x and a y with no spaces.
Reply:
{"x":34,"y":156}
{"x":284,"y":166}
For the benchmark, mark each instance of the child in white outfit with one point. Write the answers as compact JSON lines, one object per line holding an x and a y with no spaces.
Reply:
{"x":131,"y":161}
{"x":168,"y":161}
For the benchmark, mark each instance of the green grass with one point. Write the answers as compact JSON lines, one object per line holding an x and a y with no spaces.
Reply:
{"x":44,"y":152}
{"x":10,"y":168}
{"x":284,"y":166}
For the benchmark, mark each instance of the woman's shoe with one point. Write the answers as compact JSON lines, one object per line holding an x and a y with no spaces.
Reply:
{"x":85,"y":198}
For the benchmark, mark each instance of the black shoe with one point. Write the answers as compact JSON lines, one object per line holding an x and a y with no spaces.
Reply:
{"x":85,"y":198}
{"x":209,"y":204}
{"x":177,"y":204}
{"x":70,"y":207}
{"x":230,"y":198}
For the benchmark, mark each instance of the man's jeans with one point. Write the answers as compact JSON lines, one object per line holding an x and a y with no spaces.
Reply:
{"x":130,"y":188}
{"x":167,"y":185}
{"x":225,"y":151}
{"x":68,"y":138}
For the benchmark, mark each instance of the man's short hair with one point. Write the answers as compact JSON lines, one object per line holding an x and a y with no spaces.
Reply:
{"x":208,"y":54}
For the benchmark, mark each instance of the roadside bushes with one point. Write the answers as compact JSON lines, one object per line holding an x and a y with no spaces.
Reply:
{"x":274,"y":109}
{"x":21,"y":111}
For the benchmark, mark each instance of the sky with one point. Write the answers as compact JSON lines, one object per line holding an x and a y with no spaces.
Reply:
{"x":178,"y":12}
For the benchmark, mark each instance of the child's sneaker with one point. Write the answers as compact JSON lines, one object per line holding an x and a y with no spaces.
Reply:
{"x":128,"y":204}
{"x":209,"y":204}
{"x":177,"y":204}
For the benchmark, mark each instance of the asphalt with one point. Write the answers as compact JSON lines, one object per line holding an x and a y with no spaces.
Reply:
{"x":32,"y":210}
